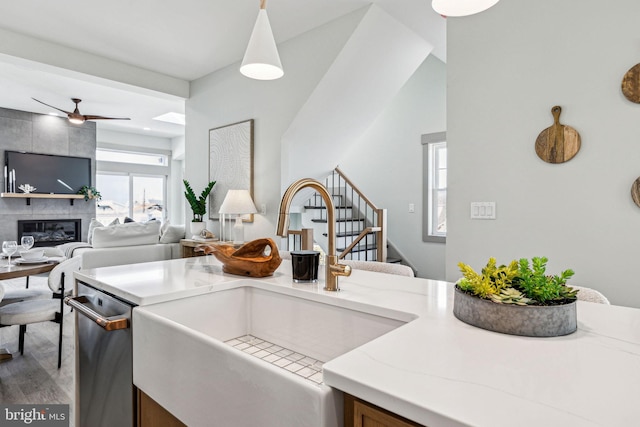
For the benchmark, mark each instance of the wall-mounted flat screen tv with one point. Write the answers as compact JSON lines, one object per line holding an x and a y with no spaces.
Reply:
{"x":50,"y":174}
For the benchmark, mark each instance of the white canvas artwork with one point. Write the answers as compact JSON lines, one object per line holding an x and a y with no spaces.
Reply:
{"x":230,"y":162}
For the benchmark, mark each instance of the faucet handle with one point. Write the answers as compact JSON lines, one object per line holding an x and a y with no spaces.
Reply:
{"x":340,"y":269}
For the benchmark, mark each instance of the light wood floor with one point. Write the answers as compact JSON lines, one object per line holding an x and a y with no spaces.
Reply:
{"x":33,"y":378}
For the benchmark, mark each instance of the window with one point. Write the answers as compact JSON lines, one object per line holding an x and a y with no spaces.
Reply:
{"x":140,"y":198}
{"x":132,"y":184}
{"x":435,"y":187}
{"x":118,"y":156}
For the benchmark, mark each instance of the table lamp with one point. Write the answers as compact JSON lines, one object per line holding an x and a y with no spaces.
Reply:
{"x":238,"y":202}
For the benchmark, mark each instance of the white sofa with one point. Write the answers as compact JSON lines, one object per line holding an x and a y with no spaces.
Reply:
{"x":121,"y":255}
{"x":129,"y":243}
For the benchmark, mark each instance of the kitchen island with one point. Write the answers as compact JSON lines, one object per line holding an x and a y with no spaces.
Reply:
{"x":436,"y":370}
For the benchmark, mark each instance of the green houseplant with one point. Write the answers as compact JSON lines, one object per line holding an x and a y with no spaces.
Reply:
{"x":519,"y":298}
{"x":90,"y":193}
{"x":198,"y":204}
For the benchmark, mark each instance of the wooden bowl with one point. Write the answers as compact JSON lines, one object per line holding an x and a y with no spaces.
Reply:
{"x":247,"y":260}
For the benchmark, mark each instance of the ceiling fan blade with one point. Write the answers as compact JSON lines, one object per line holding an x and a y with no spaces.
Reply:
{"x":51,"y":106}
{"x":88,"y":117}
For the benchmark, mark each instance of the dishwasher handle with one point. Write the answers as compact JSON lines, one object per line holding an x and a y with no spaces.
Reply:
{"x":107,"y":323}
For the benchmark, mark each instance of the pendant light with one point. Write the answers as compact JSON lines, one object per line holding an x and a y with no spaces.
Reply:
{"x":261,"y":60}
{"x":461,"y":7}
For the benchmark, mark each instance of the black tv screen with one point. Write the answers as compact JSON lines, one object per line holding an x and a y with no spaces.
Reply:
{"x":50,"y":174}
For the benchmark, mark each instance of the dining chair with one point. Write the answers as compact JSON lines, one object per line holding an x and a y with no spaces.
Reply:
{"x":590,"y":295}
{"x":380,"y":267}
{"x":31,"y":311}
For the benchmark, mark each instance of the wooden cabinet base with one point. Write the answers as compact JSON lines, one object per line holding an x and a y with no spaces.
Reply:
{"x":358,"y":413}
{"x":152,"y":414}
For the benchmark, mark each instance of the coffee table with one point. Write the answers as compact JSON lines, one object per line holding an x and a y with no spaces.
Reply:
{"x":21,"y":270}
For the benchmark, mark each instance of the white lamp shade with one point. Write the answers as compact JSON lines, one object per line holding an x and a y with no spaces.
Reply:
{"x":261,"y":60}
{"x":238,"y":202}
{"x":461,"y":7}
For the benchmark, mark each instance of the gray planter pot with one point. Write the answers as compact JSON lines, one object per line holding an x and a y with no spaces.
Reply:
{"x":529,"y":320}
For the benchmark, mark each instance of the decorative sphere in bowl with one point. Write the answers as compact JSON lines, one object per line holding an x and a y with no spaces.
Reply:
{"x":32,"y":254}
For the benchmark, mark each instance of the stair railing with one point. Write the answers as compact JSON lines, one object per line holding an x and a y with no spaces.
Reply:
{"x":300,"y":239}
{"x":374,"y":230}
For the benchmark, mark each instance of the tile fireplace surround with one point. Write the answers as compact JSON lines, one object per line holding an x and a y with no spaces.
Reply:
{"x":38,"y":133}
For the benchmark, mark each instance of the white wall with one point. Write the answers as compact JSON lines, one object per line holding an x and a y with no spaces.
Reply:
{"x":386,"y":163}
{"x":226,"y":97}
{"x":506,"y":68}
{"x":131,"y":140}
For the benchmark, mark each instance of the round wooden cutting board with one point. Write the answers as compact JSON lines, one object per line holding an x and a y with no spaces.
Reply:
{"x":631,"y":84}
{"x":635,"y":192}
{"x":558,"y":143}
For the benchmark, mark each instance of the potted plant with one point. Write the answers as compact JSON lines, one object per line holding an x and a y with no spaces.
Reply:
{"x":90,"y":193}
{"x":198,"y":205}
{"x":519,"y":298}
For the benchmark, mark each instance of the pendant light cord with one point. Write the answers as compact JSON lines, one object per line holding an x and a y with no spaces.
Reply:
{"x":263,"y":4}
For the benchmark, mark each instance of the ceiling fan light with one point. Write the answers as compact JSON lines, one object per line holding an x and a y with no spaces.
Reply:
{"x":461,"y":7}
{"x":76,"y":120}
{"x":261,"y":60}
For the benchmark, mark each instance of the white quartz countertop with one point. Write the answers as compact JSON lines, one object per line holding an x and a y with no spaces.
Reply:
{"x":160,"y":281}
{"x":437,"y":370}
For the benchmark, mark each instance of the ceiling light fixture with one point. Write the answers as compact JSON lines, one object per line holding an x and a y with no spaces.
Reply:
{"x":461,"y":7}
{"x":75,"y":117}
{"x":261,"y":60}
{"x":76,"y":120}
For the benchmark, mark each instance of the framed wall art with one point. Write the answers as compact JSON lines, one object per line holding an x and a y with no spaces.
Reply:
{"x":230,"y":163}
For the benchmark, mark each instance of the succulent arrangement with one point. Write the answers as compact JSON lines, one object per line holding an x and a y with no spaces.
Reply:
{"x":198,"y":204}
{"x":520,"y":283}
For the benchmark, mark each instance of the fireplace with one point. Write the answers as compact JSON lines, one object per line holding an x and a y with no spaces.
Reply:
{"x":50,"y":232}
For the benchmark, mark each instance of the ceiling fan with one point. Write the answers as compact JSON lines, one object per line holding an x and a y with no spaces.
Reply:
{"x":77,"y":118}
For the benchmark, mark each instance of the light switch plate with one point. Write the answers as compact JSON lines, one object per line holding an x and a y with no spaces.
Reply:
{"x":483,"y":210}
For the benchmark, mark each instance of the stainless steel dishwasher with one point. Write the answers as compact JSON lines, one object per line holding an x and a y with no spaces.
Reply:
{"x":106,"y":396}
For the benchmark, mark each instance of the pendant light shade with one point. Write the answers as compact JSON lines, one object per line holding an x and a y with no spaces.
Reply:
{"x":261,"y":60}
{"x":461,"y":7}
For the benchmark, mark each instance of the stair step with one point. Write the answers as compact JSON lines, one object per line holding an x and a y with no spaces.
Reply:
{"x":324,"y":221}
{"x":369,"y":255}
{"x":324,"y":207}
{"x":359,"y":248}
{"x":348,"y":233}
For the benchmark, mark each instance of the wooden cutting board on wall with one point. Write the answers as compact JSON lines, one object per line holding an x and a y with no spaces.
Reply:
{"x":631,"y":84}
{"x":635,"y":192}
{"x":558,"y":143}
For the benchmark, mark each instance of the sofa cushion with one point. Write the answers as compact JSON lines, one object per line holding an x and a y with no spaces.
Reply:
{"x":129,"y":234}
{"x":94,"y":224}
{"x":171,"y":233}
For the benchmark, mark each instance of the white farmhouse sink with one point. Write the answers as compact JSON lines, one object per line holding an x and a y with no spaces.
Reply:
{"x":184,"y":355}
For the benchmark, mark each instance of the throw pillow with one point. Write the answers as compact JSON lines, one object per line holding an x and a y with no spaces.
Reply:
{"x":164,"y":227}
{"x":172,"y":234}
{"x":128,"y":220}
{"x":95,"y":223}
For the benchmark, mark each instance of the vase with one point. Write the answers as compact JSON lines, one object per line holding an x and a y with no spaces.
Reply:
{"x":195,"y":228}
{"x":525,"y":320}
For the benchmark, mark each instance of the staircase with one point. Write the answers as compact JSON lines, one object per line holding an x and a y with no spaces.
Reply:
{"x":360,"y":225}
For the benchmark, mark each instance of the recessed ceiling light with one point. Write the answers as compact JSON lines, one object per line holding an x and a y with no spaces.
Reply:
{"x":54,"y":114}
{"x":172,"y":117}
{"x":146,"y":128}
